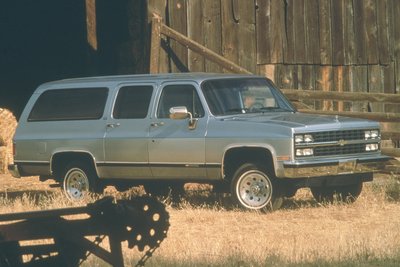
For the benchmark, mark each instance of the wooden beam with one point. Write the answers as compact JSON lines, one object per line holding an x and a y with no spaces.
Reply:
{"x":390,"y":135}
{"x":392,"y":152}
{"x":342,"y":96}
{"x":376,"y":116}
{"x":155,"y":44}
{"x":177,"y":19}
{"x":204,"y":51}
{"x":91,"y":26}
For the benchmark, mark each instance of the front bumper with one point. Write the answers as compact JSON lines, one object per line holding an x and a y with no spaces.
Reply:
{"x":14,"y":170}
{"x":330,"y":168}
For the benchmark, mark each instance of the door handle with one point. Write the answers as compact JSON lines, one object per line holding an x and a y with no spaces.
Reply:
{"x":113,"y":125}
{"x":157,"y":124}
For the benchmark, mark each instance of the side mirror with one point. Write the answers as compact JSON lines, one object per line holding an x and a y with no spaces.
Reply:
{"x":180,"y":113}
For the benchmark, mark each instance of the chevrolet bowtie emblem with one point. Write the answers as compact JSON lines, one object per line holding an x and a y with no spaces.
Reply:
{"x":342,"y":142}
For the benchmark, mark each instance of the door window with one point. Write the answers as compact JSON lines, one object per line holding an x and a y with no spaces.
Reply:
{"x":133,"y":102}
{"x":177,"y":96}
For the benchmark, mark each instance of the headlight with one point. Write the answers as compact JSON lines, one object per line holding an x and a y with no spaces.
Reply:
{"x":299,"y":139}
{"x":308,"y":138}
{"x":304,"y":152}
{"x":372,"y":134}
{"x":303,"y":138}
{"x":371,"y":147}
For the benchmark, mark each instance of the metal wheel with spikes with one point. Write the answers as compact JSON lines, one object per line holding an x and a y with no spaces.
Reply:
{"x":153,"y":227}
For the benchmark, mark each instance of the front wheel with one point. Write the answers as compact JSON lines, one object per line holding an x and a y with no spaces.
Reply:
{"x":78,"y":180}
{"x":253,"y":188}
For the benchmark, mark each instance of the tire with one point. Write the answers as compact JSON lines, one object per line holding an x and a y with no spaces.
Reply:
{"x":290,"y":192}
{"x":350,"y":193}
{"x":323,"y":194}
{"x":78,"y":180}
{"x":254,"y":188}
{"x":345,"y":193}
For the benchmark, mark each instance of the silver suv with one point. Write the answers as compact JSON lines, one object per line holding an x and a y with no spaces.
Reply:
{"x":236,"y":132}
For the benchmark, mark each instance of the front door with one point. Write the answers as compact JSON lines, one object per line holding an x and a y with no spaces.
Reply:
{"x":175,"y":150}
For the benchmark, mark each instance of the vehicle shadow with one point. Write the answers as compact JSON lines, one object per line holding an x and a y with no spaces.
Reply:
{"x":214,"y":201}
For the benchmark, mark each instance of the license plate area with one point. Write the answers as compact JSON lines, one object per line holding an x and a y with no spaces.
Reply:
{"x":347,"y":166}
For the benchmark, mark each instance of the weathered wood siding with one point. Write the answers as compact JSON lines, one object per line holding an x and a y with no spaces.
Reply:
{"x":330,"y":45}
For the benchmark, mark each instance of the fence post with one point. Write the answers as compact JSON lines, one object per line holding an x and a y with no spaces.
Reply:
{"x":155,"y":43}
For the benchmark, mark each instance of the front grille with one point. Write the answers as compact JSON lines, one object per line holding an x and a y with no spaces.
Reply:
{"x":339,"y":150}
{"x":338,"y":135}
{"x":338,"y":143}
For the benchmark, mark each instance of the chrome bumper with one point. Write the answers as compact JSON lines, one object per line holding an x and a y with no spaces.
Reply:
{"x":13,"y":169}
{"x":339,"y":167}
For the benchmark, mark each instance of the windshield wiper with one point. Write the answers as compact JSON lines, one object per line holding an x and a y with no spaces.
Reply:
{"x":235,"y":110}
{"x":255,"y":110}
{"x":263,"y":109}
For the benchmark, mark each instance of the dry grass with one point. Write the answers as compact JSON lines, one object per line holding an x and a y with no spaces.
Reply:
{"x":202,"y":233}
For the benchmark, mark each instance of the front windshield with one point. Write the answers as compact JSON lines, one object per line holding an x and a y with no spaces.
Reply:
{"x":244,"y":95}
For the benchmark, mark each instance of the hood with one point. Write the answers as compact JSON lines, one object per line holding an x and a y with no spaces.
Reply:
{"x":303,"y":121}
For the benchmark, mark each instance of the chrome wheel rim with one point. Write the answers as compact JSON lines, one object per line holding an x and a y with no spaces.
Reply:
{"x":76,"y":184}
{"x":254,"y":190}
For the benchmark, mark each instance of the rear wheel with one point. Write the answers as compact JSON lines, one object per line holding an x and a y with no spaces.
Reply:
{"x":254,"y":188}
{"x":345,"y":193}
{"x":80,"y":179}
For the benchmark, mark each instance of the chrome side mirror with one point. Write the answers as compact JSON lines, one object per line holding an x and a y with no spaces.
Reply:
{"x":180,"y":113}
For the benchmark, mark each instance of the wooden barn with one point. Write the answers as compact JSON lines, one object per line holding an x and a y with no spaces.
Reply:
{"x":338,"y":45}
{"x":331,"y":45}
{"x":318,"y":45}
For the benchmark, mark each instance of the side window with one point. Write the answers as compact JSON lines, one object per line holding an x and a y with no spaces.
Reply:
{"x":133,"y":102}
{"x":70,"y":104}
{"x":179,"y":95}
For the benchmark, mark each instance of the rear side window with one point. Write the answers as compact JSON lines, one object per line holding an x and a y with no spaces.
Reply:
{"x":133,"y":102}
{"x":70,"y":104}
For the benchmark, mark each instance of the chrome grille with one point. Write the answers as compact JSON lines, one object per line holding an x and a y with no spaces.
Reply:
{"x":339,"y":150}
{"x":338,"y":135}
{"x":332,"y":143}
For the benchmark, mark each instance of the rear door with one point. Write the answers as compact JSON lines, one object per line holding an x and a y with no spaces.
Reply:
{"x":127,"y":132}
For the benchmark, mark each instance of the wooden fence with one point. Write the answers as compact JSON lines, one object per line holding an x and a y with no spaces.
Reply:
{"x":387,"y":120}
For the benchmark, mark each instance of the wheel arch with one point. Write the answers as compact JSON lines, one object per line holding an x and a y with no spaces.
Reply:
{"x":234,"y":156}
{"x":61,"y":159}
